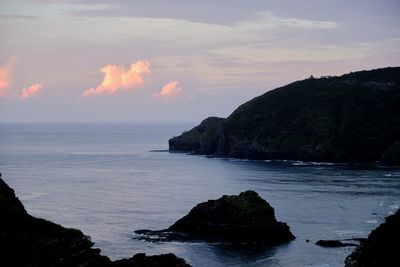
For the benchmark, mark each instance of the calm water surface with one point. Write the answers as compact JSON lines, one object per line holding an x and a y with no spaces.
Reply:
{"x":104,"y":180}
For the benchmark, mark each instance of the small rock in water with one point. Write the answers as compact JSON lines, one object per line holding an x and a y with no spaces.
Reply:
{"x":333,"y":243}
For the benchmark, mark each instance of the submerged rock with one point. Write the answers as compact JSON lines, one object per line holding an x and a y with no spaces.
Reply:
{"x":381,"y":248}
{"x":30,"y":241}
{"x":246,"y":218}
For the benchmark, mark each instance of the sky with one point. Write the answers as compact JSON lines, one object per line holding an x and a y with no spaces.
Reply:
{"x":178,"y":60}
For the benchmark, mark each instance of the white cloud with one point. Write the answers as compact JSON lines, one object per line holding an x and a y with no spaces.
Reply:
{"x":171,"y":89}
{"x":117,"y":78}
{"x":31,"y":90}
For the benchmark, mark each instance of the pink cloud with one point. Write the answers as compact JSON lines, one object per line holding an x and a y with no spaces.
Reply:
{"x":6,"y":76}
{"x":31,"y":90}
{"x":117,"y":78}
{"x":171,"y":89}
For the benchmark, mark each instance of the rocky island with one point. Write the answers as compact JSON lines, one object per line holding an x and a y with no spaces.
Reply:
{"x":245,"y":219}
{"x":353,"y":118}
{"x":29,"y":241}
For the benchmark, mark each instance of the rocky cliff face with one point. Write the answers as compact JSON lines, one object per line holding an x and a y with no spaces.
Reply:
{"x":30,"y":241}
{"x":351,"y":118}
{"x":202,"y":138}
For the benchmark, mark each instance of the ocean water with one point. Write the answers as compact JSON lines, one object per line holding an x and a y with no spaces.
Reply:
{"x":107,"y":180}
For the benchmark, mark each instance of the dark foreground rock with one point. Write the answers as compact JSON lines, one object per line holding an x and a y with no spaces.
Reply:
{"x":352,"y":118}
{"x":334,"y":244}
{"x":382,"y":248}
{"x":245,"y":218}
{"x":141,"y":260}
{"x":30,"y":241}
{"x":392,"y":155}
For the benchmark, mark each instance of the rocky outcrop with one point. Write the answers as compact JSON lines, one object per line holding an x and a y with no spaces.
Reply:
{"x":351,"y":118}
{"x":333,"y":244}
{"x":141,"y":260}
{"x":30,"y":241}
{"x":246,"y":218}
{"x":199,"y":139}
{"x":382,"y":247}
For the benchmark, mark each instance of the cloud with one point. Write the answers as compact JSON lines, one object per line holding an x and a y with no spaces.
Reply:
{"x":17,"y":16}
{"x":31,"y":90}
{"x":171,"y":89}
{"x":306,"y":24}
{"x":268,"y":20}
{"x":6,"y":76}
{"x":6,"y":73}
{"x":222,"y":12}
{"x":117,"y":78}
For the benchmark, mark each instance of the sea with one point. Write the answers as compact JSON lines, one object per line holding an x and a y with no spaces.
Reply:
{"x":109,"y":180}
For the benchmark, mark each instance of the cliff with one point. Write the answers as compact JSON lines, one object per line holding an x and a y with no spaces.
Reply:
{"x":350,"y":118}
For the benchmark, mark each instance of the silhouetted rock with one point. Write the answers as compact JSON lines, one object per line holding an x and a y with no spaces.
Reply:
{"x":245,"y":218}
{"x":196,"y":139}
{"x":163,"y":260}
{"x":382,"y":248}
{"x":351,"y":118}
{"x":30,"y":241}
{"x":333,"y":243}
{"x":10,"y":205}
{"x":392,"y":155}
